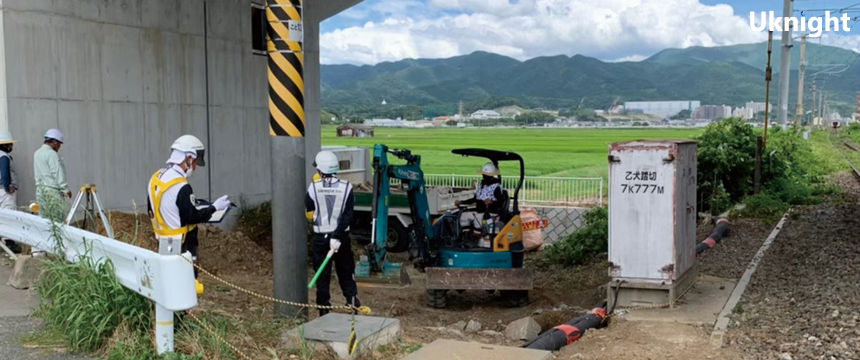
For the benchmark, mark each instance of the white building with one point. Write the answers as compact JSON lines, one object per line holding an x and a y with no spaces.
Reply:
{"x":755,"y":107}
{"x":663,"y":108}
{"x":384,"y":122}
{"x":710,"y":112}
{"x":486,"y":114}
{"x":418,"y":124}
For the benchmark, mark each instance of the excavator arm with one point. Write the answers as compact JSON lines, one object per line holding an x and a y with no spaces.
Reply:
{"x":412,"y":180}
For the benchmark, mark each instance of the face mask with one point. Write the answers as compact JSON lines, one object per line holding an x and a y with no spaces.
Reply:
{"x":189,"y":170}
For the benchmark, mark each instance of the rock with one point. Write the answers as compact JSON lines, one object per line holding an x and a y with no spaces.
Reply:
{"x":460,"y":325}
{"x":835,"y":314}
{"x":453,"y":332}
{"x":785,"y":356}
{"x":490,"y":333}
{"x":473,"y":326}
{"x":577,"y":356}
{"x":522,"y":329}
{"x":538,"y":312}
{"x":563,"y":307}
{"x":25,"y":273}
{"x":812,"y":339}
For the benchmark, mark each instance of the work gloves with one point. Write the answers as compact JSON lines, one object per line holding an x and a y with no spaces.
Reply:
{"x":222,"y":203}
{"x":335,"y":244}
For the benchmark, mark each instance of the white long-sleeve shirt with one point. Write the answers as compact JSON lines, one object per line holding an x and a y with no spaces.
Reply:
{"x":49,"y":171}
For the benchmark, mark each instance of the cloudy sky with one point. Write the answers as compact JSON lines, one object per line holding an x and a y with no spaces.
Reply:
{"x":610,"y":30}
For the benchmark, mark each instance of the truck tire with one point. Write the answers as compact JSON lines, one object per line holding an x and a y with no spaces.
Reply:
{"x":397,"y":239}
{"x":435,"y":298}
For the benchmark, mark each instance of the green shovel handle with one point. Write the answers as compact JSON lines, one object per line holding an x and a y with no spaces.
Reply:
{"x":319,"y":271}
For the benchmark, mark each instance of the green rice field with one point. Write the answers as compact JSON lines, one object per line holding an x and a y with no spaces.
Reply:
{"x":547,"y":152}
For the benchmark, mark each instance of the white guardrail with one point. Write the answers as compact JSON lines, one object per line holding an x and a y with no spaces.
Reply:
{"x":167,"y":280}
{"x":560,"y":191}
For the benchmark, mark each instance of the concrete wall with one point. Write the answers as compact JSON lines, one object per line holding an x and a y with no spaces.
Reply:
{"x":122,"y":79}
{"x":561,"y":221}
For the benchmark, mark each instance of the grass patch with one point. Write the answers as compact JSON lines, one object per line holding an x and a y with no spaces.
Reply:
{"x":586,"y":244}
{"x":547,"y":152}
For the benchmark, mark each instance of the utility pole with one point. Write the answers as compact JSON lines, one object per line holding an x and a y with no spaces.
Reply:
{"x":822,"y":108}
{"x":767,"y":77}
{"x":785,"y":65}
{"x":812,"y":114}
{"x":284,"y":44}
{"x":798,"y":109}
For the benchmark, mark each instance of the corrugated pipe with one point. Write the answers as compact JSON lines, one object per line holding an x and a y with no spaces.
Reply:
{"x":571,"y":331}
{"x":716,"y":236}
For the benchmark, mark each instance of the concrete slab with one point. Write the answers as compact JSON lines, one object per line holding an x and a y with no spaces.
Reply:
{"x":15,"y":302}
{"x":451,"y":349}
{"x":333,"y":331}
{"x":699,"y":306}
{"x":25,"y":273}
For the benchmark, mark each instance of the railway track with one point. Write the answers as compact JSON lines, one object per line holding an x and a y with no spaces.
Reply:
{"x":851,"y":146}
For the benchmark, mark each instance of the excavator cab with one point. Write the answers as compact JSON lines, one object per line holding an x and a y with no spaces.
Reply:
{"x":499,"y":266}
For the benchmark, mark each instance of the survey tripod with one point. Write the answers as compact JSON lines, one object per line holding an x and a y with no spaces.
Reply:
{"x":89,"y":192}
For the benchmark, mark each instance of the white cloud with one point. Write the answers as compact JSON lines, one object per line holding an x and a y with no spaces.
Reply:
{"x":606,"y":29}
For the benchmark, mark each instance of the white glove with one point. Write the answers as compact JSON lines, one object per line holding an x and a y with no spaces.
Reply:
{"x":222,"y":203}
{"x":335,"y":244}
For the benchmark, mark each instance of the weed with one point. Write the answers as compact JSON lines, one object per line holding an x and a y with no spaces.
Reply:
{"x":586,"y":244}
{"x":738,"y":309}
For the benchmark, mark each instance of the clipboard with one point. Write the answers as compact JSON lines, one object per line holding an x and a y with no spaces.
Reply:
{"x":217,"y":216}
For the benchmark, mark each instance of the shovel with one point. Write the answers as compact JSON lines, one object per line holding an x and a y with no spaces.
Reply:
{"x":319,"y":271}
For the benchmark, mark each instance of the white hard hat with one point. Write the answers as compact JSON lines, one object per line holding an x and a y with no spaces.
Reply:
{"x":489,"y":169}
{"x":54,"y":134}
{"x":326,"y":162}
{"x":190,"y":144}
{"x":6,"y":138}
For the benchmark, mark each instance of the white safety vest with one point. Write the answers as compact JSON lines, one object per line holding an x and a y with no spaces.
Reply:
{"x":14,"y":180}
{"x":329,"y":201}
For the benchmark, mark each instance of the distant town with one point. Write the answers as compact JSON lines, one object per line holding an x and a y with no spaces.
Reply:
{"x":680,"y":113}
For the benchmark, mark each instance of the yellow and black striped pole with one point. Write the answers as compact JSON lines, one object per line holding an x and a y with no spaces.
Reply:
{"x":286,"y":97}
{"x":286,"y":63}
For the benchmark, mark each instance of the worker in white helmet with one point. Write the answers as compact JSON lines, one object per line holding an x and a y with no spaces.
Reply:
{"x":488,"y":201}
{"x":331,"y":202}
{"x":8,"y":179}
{"x":50,"y":174}
{"x":171,"y":204}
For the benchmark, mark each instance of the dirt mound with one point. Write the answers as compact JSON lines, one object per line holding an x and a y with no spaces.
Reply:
{"x":219,"y":251}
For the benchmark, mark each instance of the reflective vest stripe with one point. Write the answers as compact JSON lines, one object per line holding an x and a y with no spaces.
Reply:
{"x":325,"y":221}
{"x":157,"y":188}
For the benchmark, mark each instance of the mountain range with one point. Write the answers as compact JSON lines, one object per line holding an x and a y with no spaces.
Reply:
{"x":725,"y":75}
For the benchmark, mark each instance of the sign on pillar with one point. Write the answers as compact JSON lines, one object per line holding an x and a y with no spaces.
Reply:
{"x":286,"y":64}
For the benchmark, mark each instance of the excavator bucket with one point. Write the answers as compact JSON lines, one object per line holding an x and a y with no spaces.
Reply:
{"x":393,"y":275}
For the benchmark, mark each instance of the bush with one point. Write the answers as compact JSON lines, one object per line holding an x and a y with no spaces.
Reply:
{"x":585,"y":244}
{"x":726,"y":161}
{"x":790,"y":169}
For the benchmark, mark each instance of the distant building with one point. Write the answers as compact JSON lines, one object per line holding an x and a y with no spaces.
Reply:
{"x":383,"y":123}
{"x":510,"y":111}
{"x":663,"y":108}
{"x":755,"y":107}
{"x":418,"y":124}
{"x":354,"y":130}
{"x":710,"y":112}
{"x":486,"y":114}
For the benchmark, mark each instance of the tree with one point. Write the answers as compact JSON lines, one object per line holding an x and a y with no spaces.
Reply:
{"x":581,"y":114}
{"x":682,"y":115}
{"x":535,"y":117}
